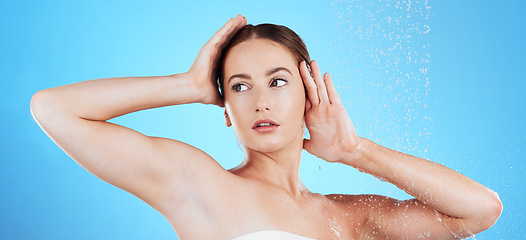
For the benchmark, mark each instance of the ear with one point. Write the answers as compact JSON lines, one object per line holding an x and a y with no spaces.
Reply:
{"x":228,"y":123}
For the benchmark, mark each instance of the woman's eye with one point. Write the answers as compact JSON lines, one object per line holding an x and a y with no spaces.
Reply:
{"x":278,"y":82}
{"x":239,"y":87}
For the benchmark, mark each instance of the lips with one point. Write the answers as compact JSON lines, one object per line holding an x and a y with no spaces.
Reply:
{"x":264,"y":125}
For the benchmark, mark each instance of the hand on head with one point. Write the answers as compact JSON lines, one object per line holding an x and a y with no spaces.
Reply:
{"x":203,"y":70}
{"x":332,"y":134}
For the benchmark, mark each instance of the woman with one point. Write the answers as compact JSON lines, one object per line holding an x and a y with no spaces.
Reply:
{"x":270,"y":95}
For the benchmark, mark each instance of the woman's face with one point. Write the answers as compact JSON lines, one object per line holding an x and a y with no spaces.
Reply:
{"x":264,"y":95}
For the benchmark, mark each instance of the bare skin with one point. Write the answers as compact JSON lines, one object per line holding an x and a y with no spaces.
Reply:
{"x":202,"y":200}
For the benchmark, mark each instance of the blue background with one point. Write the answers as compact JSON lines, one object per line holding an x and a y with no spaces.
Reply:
{"x":442,"y":80}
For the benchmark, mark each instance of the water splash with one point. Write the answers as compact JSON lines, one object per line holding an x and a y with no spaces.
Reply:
{"x":335,"y":228}
{"x":382,"y":55}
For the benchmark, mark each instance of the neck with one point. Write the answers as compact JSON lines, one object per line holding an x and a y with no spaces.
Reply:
{"x":279,"y":168}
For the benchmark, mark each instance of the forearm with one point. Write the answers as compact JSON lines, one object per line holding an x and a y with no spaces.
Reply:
{"x":103,"y":99}
{"x":445,"y":190}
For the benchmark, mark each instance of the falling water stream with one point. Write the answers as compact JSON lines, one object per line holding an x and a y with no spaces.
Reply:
{"x":383,"y":58}
{"x":382,"y":55}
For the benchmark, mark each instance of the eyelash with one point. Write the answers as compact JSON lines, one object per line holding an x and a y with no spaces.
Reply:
{"x":274,"y":80}
{"x":237,"y":85}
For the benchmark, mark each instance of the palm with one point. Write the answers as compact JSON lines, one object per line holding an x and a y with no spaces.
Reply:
{"x":332,"y":133}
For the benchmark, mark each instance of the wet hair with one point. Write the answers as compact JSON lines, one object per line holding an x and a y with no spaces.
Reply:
{"x":282,"y":35}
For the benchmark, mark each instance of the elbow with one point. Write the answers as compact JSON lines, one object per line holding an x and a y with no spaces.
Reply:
{"x":494,"y":209}
{"x":491,"y":211}
{"x":40,"y":105}
{"x":36,"y":104}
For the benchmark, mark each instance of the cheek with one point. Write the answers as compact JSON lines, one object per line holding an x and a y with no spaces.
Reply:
{"x":235,"y":111}
{"x":238,"y":110}
{"x":299,"y":98}
{"x":293,"y":103}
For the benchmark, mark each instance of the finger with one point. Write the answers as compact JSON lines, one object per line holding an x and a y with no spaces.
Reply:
{"x":310,"y":85}
{"x":216,"y":38}
{"x":242,"y":20}
{"x":239,"y":22}
{"x":320,"y":85}
{"x":226,"y":31}
{"x":308,"y":105}
{"x":331,"y":90}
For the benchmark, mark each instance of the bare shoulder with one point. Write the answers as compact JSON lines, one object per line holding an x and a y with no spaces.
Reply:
{"x":196,"y":197}
{"x":194,"y":172}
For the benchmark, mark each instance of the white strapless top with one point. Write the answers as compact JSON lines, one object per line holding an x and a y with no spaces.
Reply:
{"x":272,"y":235}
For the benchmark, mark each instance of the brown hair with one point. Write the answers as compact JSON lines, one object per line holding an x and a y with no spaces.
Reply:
{"x":276,"y":33}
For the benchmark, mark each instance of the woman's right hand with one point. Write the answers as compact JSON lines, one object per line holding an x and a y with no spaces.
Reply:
{"x":203,"y":70}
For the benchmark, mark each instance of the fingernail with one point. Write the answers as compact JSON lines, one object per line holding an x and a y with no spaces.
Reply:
{"x":308,"y":67}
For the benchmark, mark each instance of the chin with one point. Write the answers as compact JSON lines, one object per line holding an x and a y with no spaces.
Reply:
{"x":268,"y":144}
{"x":263,"y":145}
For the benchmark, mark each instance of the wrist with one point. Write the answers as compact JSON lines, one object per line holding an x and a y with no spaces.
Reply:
{"x":184,"y":85}
{"x":191,"y":86}
{"x":203,"y":89}
{"x":361,"y":151}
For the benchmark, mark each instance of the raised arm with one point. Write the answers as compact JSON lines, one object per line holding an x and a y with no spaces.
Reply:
{"x":75,"y":117}
{"x":447,"y":205}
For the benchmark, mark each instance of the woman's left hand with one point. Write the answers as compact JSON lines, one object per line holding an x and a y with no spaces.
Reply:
{"x":332,"y":134}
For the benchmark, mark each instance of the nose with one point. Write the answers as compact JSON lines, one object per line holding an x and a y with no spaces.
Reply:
{"x":260,"y":109}
{"x":263,"y":101}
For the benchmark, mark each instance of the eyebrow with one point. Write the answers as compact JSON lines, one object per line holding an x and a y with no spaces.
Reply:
{"x":270,"y":72}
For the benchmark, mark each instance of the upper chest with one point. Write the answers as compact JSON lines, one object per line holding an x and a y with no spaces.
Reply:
{"x":250,"y":208}
{"x":312,"y":215}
